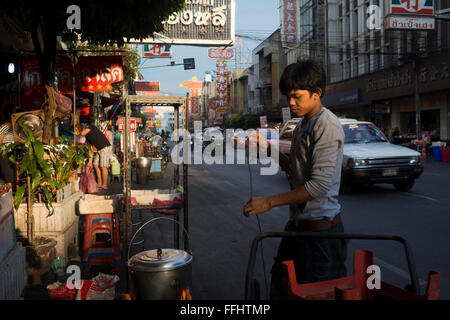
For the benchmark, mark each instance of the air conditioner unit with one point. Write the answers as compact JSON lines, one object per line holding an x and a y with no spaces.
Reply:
{"x":34,"y":120}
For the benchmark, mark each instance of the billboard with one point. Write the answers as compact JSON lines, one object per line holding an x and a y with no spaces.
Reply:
{"x":219,"y":53}
{"x":411,"y":7}
{"x":156,"y":51}
{"x":202,"y":23}
{"x":290,"y":31}
{"x":410,"y":15}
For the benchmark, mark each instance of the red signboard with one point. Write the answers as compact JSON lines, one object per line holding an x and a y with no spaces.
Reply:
{"x":93,"y":73}
{"x":121,"y":124}
{"x":146,"y":85}
{"x":218,"y":53}
{"x":97,"y":73}
{"x":132,"y":124}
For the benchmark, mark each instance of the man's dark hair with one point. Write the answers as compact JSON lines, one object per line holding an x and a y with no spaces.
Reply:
{"x":303,"y":75}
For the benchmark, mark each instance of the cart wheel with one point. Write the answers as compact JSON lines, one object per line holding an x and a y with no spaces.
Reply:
{"x":255,"y":292}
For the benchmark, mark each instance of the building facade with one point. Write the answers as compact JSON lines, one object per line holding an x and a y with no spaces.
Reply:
{"x":372,"y":71}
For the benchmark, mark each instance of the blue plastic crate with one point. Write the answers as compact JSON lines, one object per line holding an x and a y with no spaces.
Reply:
{"x":156,"y":165}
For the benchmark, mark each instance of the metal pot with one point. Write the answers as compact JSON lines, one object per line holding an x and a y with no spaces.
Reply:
{"x":160,"y":274}
{"x":143,"y":162}
{"x":143,"y":166}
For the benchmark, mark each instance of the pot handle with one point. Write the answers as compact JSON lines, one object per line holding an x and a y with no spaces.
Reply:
{"x":150,"y":221}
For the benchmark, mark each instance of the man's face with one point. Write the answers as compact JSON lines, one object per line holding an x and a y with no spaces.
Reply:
{"x":303,"y":102}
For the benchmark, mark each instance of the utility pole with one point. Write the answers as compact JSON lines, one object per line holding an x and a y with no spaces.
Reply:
{"x":416,"y":70}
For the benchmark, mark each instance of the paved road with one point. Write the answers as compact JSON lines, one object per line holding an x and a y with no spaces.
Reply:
{"x":221,"y":236}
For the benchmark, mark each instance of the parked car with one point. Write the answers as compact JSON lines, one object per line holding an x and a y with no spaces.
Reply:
{"x":369,"y":157}
{"x":286,"y":135}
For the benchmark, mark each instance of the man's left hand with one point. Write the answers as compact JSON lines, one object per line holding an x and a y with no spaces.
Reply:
{"x":256,"y":206}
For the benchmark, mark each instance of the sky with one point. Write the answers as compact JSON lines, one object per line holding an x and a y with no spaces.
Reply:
{"x":255,"y":19}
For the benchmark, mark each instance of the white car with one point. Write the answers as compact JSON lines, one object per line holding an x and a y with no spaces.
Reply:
{"x":369,"y":157}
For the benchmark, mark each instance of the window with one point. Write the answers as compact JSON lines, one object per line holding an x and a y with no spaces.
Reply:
{"x":377,"y":40}
{"x":355,"y":47}
{"x":340,"y":10}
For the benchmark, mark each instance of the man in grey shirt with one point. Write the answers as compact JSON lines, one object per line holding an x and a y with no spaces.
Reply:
{"x":315,"y":172}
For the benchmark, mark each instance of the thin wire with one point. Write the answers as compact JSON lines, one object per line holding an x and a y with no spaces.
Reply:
{"x":260,"y":231}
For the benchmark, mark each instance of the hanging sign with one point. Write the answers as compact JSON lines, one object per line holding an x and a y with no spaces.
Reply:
{"x":290,"y":13}
{"x":203,"y":22}
{"x":157,"y":51}
{"x":218,"y":53}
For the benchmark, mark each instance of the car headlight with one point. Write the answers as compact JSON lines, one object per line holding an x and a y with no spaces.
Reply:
{"x":355,"y":163}
{"x":414,"y":160}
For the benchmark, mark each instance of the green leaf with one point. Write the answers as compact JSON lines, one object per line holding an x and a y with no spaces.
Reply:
{"x":19,"y":195}
{"x":49,"y":197}
{"x":38,"y":149}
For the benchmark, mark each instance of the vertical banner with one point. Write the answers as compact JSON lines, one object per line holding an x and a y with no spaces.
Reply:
{"x":222,"y":102}
{"x":290,"y":16}
{"x":286,"y":114}
{"x":263,"y":121}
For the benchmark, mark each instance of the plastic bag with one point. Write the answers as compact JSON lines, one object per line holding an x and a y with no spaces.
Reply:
{"x":87,"y":181}
{"x":102,"y":287}
{"x":59,"y":291}
{"x":175,"y":200}
{"x":64,"y":103}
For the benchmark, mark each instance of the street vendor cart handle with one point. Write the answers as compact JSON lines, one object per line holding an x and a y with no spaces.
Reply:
{"x":150,"y":221}
{"x":251,"y":262}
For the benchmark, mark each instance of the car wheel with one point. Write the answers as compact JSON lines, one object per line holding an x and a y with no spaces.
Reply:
{"x":404,"y":186}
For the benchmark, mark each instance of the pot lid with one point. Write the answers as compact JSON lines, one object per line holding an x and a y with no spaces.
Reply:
{"x":159,"y":260}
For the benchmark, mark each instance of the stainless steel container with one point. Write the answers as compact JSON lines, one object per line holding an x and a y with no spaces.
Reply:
{"x":143,"y":166}
{"x":160,"y":274}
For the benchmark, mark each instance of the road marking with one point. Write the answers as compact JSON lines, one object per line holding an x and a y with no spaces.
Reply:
{"x":228,"y":183}
{"x":419,"y":196}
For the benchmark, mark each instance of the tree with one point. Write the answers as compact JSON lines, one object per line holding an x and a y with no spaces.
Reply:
{"x":102,"y":23}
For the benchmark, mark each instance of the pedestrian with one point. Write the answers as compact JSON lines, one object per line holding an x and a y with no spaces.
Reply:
{"x":315,"y":173}
{"x":95,"y":137}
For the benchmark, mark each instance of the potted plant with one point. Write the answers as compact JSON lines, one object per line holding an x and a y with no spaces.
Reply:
{"x":43,"y":169}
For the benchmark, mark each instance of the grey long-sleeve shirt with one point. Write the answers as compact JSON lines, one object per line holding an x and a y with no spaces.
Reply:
{"x":316,"y":163}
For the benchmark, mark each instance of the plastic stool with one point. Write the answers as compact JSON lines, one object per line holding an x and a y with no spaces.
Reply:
{"x":101,"y":252}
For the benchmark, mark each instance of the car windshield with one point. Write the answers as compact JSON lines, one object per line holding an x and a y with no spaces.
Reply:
{"x":287,"y":134}
{"x":363,"y":133}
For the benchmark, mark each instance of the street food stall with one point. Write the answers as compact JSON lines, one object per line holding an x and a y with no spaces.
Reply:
{"x":135,"y":200}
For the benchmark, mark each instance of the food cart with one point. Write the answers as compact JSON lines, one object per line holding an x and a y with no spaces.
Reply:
{"x":179,"y":104}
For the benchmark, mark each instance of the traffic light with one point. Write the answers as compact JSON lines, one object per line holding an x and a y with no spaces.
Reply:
{"x":189,"y":63}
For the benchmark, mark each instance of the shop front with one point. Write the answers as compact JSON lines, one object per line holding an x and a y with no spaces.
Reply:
{"x":387,"y":98}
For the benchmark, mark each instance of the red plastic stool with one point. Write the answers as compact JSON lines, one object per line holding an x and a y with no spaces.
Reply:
{"x":101,"y":242}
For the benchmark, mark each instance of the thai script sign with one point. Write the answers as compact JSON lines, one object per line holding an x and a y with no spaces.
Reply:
{"x":203,"y":22}
{"x":410,"y":23}
{"x":218,"y":53}
{"x":156,"y":51}
{"x":411,"y":7}
{"x":289,"y":23}
{"x":146,"y":85}
{"x":92,"y":73}
{"x":222,"y":93}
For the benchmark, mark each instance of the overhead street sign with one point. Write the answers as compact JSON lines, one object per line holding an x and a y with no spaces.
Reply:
{"x":203,"y":23}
